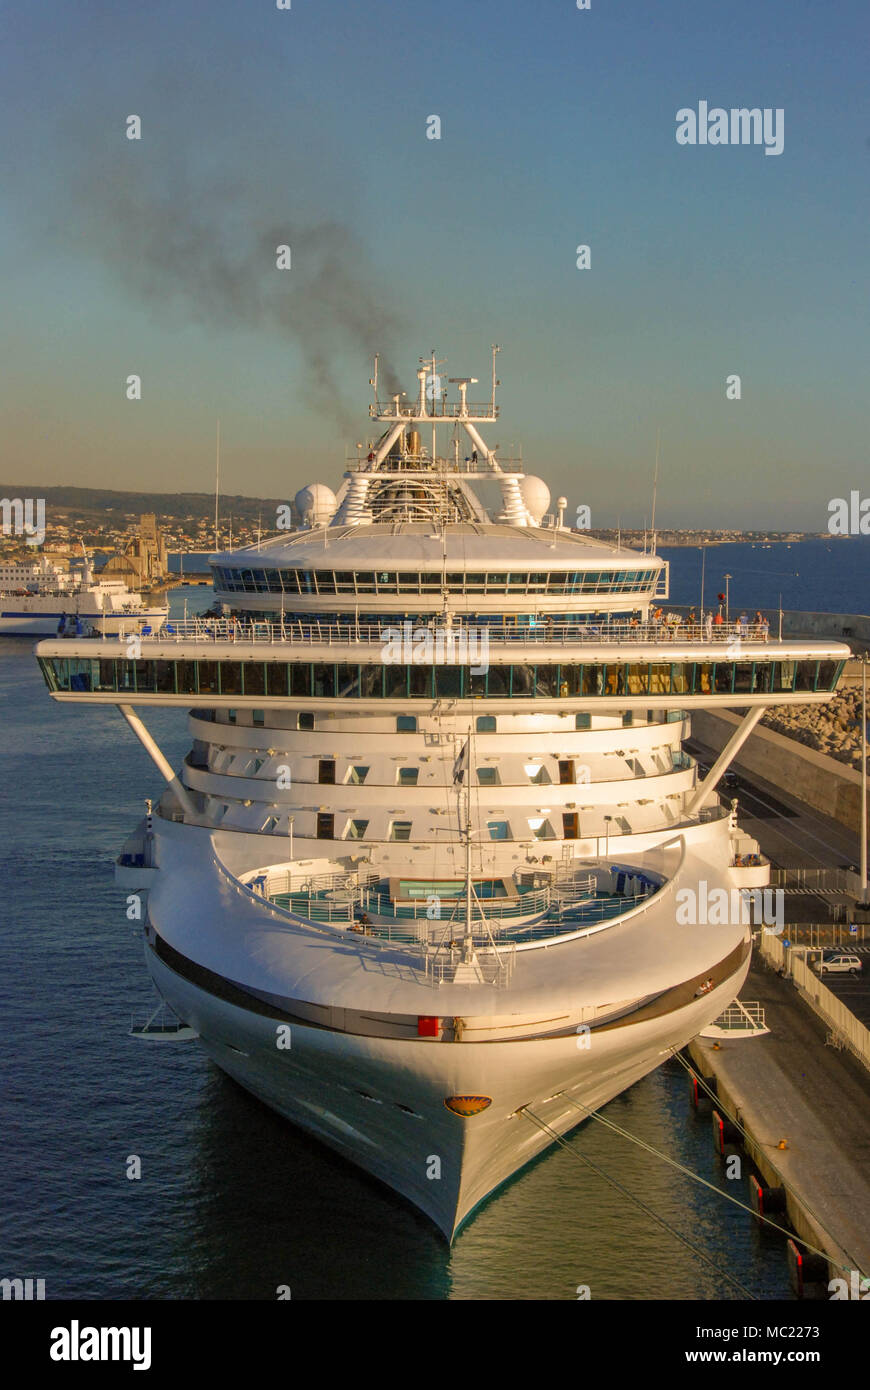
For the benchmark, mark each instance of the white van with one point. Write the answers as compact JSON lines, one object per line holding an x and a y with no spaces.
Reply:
{"x":839,"y":962}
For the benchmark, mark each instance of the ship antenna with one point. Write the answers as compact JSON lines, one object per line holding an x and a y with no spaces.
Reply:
{"x":655,"y":491}
{"x":217,"y":481}
{"x":495,"y":383}
{"x":373,"y":381}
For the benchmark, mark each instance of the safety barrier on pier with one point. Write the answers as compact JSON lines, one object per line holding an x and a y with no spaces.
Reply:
{"x":846,"y":1029}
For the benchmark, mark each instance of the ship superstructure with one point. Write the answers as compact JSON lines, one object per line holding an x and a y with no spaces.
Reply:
{"x":421,"y":876}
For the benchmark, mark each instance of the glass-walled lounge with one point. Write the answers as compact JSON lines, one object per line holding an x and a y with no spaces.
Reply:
{"x":331,"y":680}
{"x":297,"y":581}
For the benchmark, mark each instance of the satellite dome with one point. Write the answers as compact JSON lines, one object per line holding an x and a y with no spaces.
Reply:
{"x":536,"y":497}
{"x":315,"y":504}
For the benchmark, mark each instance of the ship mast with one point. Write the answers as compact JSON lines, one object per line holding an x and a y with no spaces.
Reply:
{"x":468,"y":953}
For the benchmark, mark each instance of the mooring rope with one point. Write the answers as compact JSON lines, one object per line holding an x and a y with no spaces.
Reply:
{"x":799,"y":1240}
{"x":575,"y":1153}
{"x":696,"y":1177}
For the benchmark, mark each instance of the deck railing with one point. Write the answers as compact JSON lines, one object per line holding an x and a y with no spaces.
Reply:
{"x":434,"y":946}
{"x":534,"y":916}
{"x":543,"y":631}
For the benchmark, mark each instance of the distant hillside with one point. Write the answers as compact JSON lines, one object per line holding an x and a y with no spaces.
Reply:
{"x":104,"y":504}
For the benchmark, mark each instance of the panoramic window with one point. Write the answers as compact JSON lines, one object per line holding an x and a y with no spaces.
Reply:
{"x":357,"y":775}
{"x":536,"y":772}
{"x":407,"y":776}
{"x":356,"y":829}
{"x":487,"y":776}
{"x":486,"y":723}
{"x":406,"y":723}
{"x":400,"y":830}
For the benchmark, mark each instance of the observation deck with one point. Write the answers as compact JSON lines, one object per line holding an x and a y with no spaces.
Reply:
{"x":586,"y":666}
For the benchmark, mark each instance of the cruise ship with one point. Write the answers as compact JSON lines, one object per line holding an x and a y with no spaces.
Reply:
{"x":424,"y":882}
{"x":38,"y":597}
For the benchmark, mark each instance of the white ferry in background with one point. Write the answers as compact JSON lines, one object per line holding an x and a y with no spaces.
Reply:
{"x":39,"y":599}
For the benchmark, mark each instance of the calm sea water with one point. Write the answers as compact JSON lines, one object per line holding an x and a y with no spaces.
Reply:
{"x":233,"y":1201}
{"x":824,"y":575}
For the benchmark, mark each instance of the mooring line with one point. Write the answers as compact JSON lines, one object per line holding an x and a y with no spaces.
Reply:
{"x":749,"y":1140}
{"x":696,"y":1177}
{"x":575,"y":1153}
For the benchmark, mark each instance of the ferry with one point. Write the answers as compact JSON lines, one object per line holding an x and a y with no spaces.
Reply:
{"x":38,"y":598}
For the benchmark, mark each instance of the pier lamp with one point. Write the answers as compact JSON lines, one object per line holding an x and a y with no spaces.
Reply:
{"x":864,"y":899}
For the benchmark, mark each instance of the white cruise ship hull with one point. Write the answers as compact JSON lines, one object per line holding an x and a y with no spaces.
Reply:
{"x":355,"y":1093}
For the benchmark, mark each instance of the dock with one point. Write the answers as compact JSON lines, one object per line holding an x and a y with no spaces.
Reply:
{"x":791,"y":1086}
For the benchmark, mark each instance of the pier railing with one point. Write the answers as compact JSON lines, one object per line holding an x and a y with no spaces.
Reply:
{"x":812,"y":880}
{"x":845,"y":1028}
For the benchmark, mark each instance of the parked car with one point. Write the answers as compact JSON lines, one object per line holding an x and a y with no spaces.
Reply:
{"x":838,"y":962}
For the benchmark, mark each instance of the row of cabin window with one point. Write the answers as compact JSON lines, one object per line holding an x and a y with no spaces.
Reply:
{"x":292,"y":581}
{"x":407,"y":723}
{"x":539,"y":828}
{"x":409,"y":776}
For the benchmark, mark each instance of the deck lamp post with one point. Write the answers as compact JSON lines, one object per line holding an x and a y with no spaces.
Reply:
{"x":607,"y":820}
{"x":727,"y":578}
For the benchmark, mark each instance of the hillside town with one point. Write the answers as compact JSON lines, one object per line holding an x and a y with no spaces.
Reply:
{"x":134,"y":543}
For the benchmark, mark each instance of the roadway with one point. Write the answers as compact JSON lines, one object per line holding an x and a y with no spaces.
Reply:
{"x":792,"y":835}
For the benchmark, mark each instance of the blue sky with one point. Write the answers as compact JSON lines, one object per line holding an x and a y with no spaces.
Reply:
{"x":558,"y":128}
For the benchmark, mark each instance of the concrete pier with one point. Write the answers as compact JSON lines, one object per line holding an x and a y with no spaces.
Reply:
{"x":790,"y":1086}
